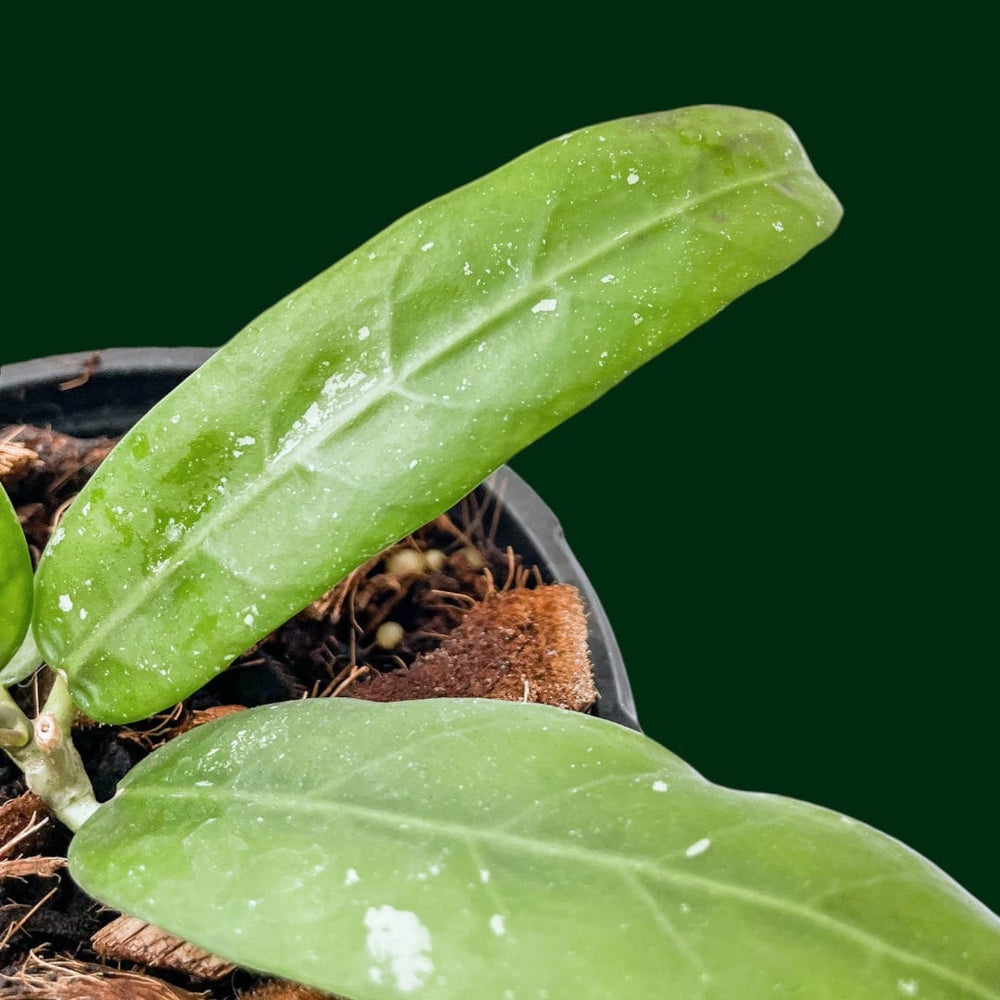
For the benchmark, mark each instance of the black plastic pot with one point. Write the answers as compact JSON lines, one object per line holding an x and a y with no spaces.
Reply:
{"x":124,"y":382}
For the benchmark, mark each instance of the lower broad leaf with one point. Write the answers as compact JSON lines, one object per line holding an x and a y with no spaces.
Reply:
{"x":448,"y":849}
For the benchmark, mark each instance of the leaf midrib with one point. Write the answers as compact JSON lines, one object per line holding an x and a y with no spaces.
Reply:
{"x":195,"y":536}
{"x":287,"y":804}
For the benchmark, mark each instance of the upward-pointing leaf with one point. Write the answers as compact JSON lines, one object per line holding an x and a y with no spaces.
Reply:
{"x":15,"y":584}
{"x":379,"y":393}
{"x":456,"y":849}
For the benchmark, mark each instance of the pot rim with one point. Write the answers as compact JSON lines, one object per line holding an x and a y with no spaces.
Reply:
{"x":534,"y":529}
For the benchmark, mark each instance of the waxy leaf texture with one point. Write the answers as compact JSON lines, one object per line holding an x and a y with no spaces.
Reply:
{"x":375,"y":396}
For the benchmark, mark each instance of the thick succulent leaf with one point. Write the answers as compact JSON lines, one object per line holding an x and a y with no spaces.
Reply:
{"x":380,"y":392}
{"x":16,"y":584}
{"x":451,"y":849}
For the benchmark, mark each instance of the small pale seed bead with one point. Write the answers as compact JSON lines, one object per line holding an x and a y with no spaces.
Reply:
{"x":435,"y":559}
{"x":389,"y":635}
{"x":473,"y":557}
{"x":405,"y":562}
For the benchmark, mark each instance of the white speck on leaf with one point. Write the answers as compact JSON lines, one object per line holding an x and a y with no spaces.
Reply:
{"x":633,"y":177}
{"x":607,"y":279}
{"x":659,"y":786}
{"x":413,"y":463}
{"x":484,"y":875}
{"x":244,"y":441}
{"x":496,"y":925}
{"x":544,"y":306}
{"x":313,"y":416}
{"x":334,"y":397}
{"x":351,"y":877}
{"x":908,"y":987}
{"x":698,"y":847}
{"x":83,"y":613}
{"x":399,"y":943}
{"x":777,"y":227}
{"x":364,"y":333}
{"x":65,"y":602}
{"x":427,"y":246}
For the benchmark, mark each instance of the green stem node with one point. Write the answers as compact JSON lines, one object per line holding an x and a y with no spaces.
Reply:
{"x":45,"y":753}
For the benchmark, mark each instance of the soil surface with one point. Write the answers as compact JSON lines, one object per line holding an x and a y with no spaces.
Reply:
{"x":444,"y":612}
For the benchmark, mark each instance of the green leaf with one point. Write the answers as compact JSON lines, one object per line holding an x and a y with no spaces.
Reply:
{"x":16,"y":584}
{"x":450,"y":849}
{"x":383,"y":390}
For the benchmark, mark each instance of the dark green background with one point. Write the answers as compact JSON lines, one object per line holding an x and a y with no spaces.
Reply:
{"x":789,"y":516}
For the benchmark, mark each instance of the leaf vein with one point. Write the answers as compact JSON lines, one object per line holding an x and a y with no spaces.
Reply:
{"x":584,"y":855}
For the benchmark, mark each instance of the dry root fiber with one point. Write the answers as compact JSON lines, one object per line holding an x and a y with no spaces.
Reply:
{"x":65,"y":979}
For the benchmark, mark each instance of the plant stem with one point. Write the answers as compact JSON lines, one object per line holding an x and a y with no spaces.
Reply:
{"x":23,"y":663}
{"x":45,"y":753}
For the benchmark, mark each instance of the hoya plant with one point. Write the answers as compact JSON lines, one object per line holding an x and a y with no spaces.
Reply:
{"x":448,"y":848}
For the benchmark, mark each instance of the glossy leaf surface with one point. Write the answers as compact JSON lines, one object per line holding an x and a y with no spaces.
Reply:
{"x":450,"y":849}
{"x":16,"y":584}
{"x":379,"y":393}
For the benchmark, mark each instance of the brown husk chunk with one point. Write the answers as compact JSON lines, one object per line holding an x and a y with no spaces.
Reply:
{"x":279,"y":990}
{"x":131,"y":939}
{"x":515,"y":645}
{"x":23,"y":823}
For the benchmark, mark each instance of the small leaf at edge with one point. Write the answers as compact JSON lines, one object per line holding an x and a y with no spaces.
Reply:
{"x":16,"y":583}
